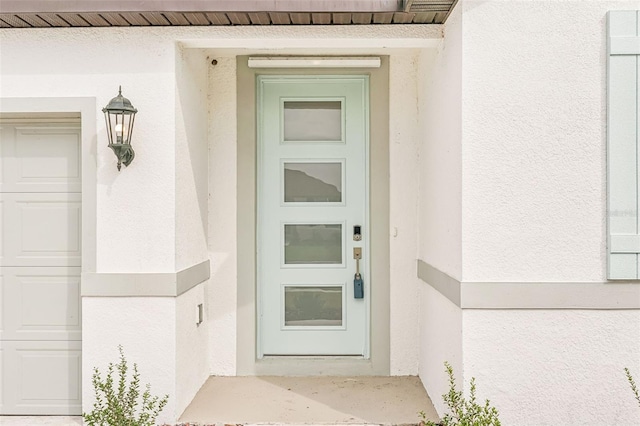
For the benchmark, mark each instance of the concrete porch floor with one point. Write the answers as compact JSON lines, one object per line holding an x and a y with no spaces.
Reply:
{"x":291,"y":400}
{"x":310,"y":400}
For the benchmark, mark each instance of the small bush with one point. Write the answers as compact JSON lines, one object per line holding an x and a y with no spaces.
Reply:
{"x":117,"y":404}
{"x":464,"y":412}
{"x":634,"y":389}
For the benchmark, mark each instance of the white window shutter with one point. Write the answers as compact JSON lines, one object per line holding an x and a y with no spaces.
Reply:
{"x":623,"y":176}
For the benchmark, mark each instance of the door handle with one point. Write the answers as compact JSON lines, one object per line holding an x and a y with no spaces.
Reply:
{"x":358,"y":283}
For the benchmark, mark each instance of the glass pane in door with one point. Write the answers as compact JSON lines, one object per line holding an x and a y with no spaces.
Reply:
{"x":313,"y":306}
{"x":312,"y":182}
{"x":312,"y":121}
{"x":313,"y":244}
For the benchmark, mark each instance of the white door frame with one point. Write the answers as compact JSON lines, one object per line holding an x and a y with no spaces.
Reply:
{"x":361,"y":82}
{"x":246,"y":342}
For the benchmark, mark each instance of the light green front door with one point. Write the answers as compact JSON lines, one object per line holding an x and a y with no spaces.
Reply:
{"x":312,"y":197}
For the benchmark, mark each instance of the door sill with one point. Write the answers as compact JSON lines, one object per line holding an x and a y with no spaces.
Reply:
{"x":316,"y":357}
{"x":290,"y":365}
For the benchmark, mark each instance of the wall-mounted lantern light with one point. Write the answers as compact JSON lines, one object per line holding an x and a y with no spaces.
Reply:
{"x":119,"y":115}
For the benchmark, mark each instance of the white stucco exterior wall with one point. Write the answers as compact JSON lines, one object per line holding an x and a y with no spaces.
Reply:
{"x":554,"y":367}
{"x":440,"y":192}
{"x":533,"y":210}
{"x":534,"y":140}
{"x":191,"y":157}
{"x":146,"y":329}
{"x":525,"y":84}
{"x":222,"y":299}
{"x":440,"y":205}
{"x":192,"y":347}
{"x":403,"y":210}
{"x":192,"y":214}
{"x":440,"y":341}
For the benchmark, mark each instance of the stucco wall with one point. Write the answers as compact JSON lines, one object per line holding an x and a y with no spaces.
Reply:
{"x":192,"y":350}
{"x":534,"y":140}
{"x":527,"y":92}
{"x":146,"y":329}
{"x":440,"y":199}
{"x":403,"y":211}
{"x":555,"y":367}
{"x":192,"y":214}
{"x":534,"y":200}
{"x":191,"y":157}
{"x":222,"y":298}
{"x":440,"y":341}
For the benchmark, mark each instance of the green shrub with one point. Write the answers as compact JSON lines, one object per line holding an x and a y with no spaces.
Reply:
{"x":633,"y":384}
{"x":464,"y":412}
{"x":116,"y":404}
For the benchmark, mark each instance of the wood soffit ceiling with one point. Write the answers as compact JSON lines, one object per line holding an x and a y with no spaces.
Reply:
{"x":115,"y":13}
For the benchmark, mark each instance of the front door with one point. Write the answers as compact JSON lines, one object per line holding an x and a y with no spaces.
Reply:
{"x":312,"y":215}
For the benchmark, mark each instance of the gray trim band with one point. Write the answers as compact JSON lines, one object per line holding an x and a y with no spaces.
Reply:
{"x":448,"y":286}
{"x":532,"y":295}
{"x":191,"y":277}
{"x":144,"y":284}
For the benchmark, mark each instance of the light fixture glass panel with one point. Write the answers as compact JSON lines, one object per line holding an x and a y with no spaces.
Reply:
{"x":312,"y":244}
{"x":313,"y":306}
{"x":313,"y":182}
{"x":312,"y":121}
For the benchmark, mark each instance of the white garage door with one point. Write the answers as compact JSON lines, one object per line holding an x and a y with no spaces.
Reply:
{"x":40,"y":235}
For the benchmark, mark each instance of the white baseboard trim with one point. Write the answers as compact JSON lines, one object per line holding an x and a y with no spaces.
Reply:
{"x":532,"y":295}
{"x":165,"y":284}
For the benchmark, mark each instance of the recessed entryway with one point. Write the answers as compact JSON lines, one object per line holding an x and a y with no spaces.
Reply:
{"x":314,"y":154}
{"x":40,"y":260}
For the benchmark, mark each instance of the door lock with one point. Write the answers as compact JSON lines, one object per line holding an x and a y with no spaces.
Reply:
{"x":357,"y":233}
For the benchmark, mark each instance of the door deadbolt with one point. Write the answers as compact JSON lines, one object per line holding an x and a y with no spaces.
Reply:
{"x":357,"y":233}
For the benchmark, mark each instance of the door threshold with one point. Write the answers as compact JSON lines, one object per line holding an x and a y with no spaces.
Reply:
{"x":316,"y":357}
{"x":290,"y":365}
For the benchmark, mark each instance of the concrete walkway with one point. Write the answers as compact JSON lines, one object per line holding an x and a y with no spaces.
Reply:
{"x":310,"y":400}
